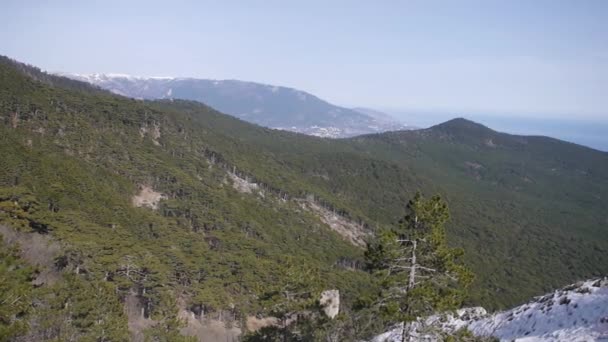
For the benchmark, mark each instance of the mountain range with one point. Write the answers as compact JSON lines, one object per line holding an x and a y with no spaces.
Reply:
{"x":266,"y":105}
{"x":124,"y":219}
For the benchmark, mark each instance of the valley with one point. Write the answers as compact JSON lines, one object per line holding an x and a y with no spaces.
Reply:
{"x":167,"y":208}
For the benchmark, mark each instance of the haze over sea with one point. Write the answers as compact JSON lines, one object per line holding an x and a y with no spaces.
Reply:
{"x":588,"y":132}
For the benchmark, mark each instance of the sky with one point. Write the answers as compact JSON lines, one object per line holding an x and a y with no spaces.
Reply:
{"x":513,"y":57}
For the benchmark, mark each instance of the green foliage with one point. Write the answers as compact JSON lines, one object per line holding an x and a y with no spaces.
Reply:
{"x":71,"y":164}
{"x":529,"y":211}
{"x":274,"y":334}
{"x":417,"y":271}
{"x":76,"y":307}
{"x":15,"y":293}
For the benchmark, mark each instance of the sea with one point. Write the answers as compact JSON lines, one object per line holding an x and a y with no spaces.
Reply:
{"x":583,"y":131}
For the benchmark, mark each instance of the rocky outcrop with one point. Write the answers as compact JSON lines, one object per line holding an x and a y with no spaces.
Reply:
{"x":36,"y":249}
{"x":578,"y":312}
{"x":243,"y":185}
{"x":147,"y":197}
{"x":354,"y":230}
{"x":330,"y":302}
{"x":152,"y":130}
{"x":351,"y":231}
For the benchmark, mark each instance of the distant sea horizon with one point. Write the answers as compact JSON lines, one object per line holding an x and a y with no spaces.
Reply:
{"x":592,"y":133}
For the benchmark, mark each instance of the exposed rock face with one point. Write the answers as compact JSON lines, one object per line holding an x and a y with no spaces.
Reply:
{"x":38,"y":250}
{"x":147,"y":197}
{"x":254,"y":323}
{"x":152,"y":130}
{"x":578,"y":312}
{"x":208,"y":330}
{"x":242,"y":185}
{"x":330,"y":301}
{"x":349,"y":230}
{"x":137,"y":323}
{"x":206,"y":327}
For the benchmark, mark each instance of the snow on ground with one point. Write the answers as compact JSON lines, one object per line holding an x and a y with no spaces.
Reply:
{"x":97,"y":78}
{"x":576,"y":313}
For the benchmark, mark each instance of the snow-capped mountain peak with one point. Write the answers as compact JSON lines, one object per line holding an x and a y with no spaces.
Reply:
{"x":267,"y":105}
{"x":103,"y":77}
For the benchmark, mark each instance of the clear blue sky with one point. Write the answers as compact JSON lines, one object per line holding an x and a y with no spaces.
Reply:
{"x":528,"y":57}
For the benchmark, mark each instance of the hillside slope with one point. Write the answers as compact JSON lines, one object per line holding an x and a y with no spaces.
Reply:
{"x":575,"y":313}
{"x":146,"y":214}
{"x":529,"y":210}
{"x":212,"y":213}
{"x":265,"y":105}
{"x":523,"y":206}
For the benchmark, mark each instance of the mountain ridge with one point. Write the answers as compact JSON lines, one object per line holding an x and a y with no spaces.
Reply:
{"x":577,"y":312}
{"x":461,"y":123}
{"x":227,"y":207}
{"x":267,"y":105}
{"x":416,"y":154}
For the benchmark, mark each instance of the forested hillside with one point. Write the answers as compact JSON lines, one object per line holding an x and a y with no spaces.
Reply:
{"x":169,"y":207}
{"x":146,"y":212}
{"x":529,"y":210}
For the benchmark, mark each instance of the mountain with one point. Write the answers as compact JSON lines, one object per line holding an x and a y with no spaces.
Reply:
{"x":122,"y":218}
{"x":576,"y":313}
{"x":514,"y":199}
{"x":381,"y":117}
{"x":265,"y":105}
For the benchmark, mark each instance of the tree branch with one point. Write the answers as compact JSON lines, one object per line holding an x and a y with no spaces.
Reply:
{"x":426,"y":268}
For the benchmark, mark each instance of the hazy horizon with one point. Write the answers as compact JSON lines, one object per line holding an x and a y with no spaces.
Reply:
{"x":588,"y":132}
{"x":520,"y":67}
{"x":507,"y":57}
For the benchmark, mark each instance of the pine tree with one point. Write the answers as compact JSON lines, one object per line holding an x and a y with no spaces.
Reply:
{"x":293,"y":300}
{"x":418,"y":272}
{"x":15,"y":292}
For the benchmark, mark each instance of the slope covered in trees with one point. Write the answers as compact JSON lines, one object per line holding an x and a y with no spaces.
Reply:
{"x":528,"y":209}
{"x":174,"y":207}
{"x":72,"y":164}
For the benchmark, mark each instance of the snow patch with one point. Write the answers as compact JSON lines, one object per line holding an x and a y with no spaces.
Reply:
{"x":577,"y":313}
{"x":101,"y":77}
